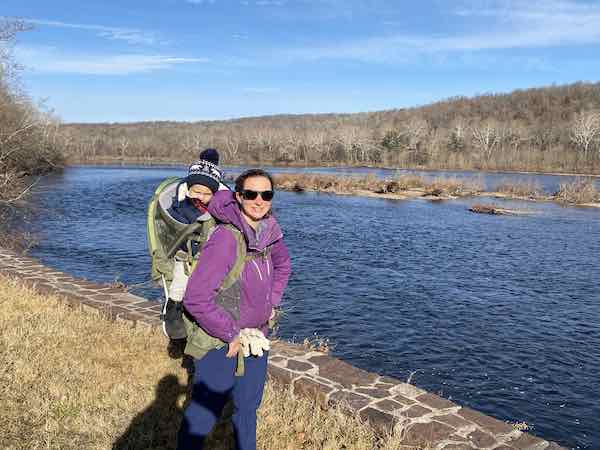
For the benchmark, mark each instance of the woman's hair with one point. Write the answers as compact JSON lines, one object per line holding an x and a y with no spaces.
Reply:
{"x":239,"y":181}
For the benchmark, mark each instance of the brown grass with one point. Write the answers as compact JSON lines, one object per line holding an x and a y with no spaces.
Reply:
{"x":352,"y":184}
{"x":69,"y":380}
{"x":454,"y":186}
{"x":529,"y":189}
{"x":328,"y":183}
{"x":582,"y":190}
{"x":406,"y":182}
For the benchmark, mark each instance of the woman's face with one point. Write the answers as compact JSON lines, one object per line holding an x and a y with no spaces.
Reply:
{"x":200,"y":192}
{"x":257,"y":208}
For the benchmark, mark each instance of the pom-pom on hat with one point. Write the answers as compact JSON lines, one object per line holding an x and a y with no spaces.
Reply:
{"x":205,"y":171}
{"x":210,"y":155}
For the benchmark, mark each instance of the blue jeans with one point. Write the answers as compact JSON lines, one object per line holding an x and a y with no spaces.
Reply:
{"x":214,"y":383}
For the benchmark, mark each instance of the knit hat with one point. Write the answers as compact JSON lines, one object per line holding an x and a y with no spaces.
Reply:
{"x":205,"y":171}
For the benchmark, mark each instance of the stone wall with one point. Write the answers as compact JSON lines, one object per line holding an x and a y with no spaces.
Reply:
{"x":422,"y":418}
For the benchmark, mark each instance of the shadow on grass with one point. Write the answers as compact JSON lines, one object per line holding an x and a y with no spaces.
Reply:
{"x":156,"y":427}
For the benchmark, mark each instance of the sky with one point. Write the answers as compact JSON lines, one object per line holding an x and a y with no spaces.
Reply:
{"x":188,"y":60}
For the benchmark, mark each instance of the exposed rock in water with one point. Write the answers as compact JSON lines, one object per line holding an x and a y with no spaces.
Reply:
{"x":298,"y":188}
{"x":393,"y":187}
{"x":435,"y":192}
{"x":493,"y":210}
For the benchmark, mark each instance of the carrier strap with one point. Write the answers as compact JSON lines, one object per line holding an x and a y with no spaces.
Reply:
{"x":184,"y":236}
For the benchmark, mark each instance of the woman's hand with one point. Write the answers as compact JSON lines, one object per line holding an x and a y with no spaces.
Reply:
{"x":234,"y":347}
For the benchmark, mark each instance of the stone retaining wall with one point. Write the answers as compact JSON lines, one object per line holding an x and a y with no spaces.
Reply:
{"x":423,"y":419}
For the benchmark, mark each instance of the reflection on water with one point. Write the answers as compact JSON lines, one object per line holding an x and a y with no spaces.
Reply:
{"x":499,"y":313}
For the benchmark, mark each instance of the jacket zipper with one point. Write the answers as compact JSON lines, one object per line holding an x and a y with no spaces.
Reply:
{"x":258,"y":269}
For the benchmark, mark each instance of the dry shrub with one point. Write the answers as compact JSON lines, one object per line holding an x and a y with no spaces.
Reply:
{"x":452,"y":186}
{"x":530,"y":188}
{"x":28,"y":140}
{"x":457,"y":186}
{"x":349,"y":184}
{"x":410,"y":182}
{"x":70,"y":380}
{"x":345,"y":184}
{"x":582,"y":190}
{"x":317,"y":343}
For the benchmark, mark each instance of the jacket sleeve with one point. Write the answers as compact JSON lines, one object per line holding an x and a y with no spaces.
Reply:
{"x":282,"y":267}
{"x":217,"y":258}
{"x":174,"y":212}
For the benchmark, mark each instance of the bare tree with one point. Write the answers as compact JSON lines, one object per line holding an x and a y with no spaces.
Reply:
{"x":486,"y":139}
{"x":190,"y":143}
{"x":122,"y":145}
{"x":232,"y":144}
{"x":585,"y":131}
{"x":8,"y":31}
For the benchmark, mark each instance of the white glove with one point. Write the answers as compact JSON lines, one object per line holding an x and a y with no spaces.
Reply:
{"x":253,"y":342}
{"x":179,"y":283}
{"x":244,"y":342}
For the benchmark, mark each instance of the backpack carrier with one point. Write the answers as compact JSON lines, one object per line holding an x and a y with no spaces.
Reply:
{"x":167,"y":236}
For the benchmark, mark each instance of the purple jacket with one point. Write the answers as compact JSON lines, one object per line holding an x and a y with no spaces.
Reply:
{"x":261,"y":283}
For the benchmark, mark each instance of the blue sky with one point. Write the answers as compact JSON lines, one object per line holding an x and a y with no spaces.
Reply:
{"x":190,"y":60}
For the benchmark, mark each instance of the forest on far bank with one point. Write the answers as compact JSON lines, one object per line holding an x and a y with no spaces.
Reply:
{"x":553,"y":128}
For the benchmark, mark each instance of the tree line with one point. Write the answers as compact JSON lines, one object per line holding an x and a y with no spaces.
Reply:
{"x":554,"y":128}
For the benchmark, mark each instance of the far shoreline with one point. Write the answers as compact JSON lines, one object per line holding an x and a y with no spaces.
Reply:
{"x":175,"y":163}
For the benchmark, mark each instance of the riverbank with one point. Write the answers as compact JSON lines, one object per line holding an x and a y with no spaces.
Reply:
{"x":72,"y":381}
{"x":581,"y":192}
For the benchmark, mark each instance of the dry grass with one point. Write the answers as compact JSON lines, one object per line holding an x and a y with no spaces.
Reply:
{"x":330,"y":183}
{"x":352,"y":184}
{"x":69,"y":380}
{"x":454,"y":186}
{"x":529,"y":189}
{"x":582,"y":190}
{"x":317,"y":343}
{"x":406,"y":182}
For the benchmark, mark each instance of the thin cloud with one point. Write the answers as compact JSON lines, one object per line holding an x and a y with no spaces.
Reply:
{"x":263,"y":2}
{"x":51,"y":60}
{"x":262,"y":91}
{"x":270,"y":3}
{"x":129,"y":35}
{"x":511,"y":25}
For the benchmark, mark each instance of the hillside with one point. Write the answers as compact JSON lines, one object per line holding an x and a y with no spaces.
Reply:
{"x":553,"y":128}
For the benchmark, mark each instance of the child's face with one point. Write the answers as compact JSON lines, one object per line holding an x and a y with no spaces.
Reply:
{"x":200,"y":192}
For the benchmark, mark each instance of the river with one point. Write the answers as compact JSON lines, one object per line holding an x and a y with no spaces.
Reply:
{"x":498,"y":313}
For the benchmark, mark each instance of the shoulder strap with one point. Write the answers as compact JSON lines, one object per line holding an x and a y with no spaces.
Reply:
{"x":183,"y":236}
{"x":240,"y":258}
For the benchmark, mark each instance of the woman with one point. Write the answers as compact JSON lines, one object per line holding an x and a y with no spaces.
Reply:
{"x":225,"y":312}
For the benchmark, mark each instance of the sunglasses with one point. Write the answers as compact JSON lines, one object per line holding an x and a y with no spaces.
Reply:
{"x":248,"y":194}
